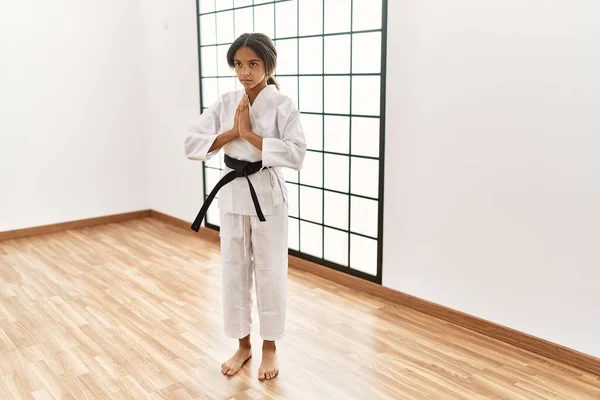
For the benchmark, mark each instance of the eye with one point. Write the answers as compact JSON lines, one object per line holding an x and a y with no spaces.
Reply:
{"x":238,"y":64}
{"x":253,"y":64}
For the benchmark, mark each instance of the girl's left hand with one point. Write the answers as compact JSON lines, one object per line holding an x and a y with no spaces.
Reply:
{"x":244,"y":124}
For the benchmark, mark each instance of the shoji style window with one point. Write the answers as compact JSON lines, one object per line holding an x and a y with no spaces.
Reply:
{"x":331,"y":62}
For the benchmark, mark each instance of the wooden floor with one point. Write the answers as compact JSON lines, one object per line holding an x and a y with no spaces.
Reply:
{"x":132,"y":310}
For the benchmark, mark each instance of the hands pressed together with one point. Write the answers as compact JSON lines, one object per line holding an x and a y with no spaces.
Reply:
{"x":242,"y":128}
{"x":242,"y":125}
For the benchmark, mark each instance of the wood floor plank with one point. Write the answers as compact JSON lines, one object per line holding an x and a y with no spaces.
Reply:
{"x":132,"y":310}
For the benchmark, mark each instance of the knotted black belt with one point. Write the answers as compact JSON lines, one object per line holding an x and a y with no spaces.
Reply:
{"x":240,"y":169}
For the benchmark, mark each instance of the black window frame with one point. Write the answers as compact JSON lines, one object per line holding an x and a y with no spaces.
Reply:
{"x":382,"y":121}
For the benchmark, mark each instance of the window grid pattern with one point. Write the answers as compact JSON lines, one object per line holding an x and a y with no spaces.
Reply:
{"x":336,"y":212}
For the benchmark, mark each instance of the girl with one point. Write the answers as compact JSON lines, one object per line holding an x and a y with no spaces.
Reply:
{"x":260,"y":132}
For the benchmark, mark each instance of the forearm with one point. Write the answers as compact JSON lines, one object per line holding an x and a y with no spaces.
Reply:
{"x":254,"y":139}
{"x":223,"y":139}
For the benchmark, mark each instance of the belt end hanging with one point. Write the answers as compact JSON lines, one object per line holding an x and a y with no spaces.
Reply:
{"x":261,"y":218}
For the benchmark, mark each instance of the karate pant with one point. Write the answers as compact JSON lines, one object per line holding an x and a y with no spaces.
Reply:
{"x":254,"y":253}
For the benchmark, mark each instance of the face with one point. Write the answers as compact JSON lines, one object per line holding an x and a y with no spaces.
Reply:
{"x":250,"y":69}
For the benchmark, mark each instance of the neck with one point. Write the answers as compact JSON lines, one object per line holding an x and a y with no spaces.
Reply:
{"x":253,"y":93}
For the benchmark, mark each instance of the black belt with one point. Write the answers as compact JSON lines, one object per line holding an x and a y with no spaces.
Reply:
{"x":240,"y":169}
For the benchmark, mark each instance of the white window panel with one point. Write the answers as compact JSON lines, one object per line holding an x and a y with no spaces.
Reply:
{"x":264,"y":20}
{"x":337,"y":134}
{"x":336,"y":210}
{"x":206,"y":6}
{"x":311,"y":239}
{"x":225,"y":31}
{"x":311,"y":204}
{"x":366,"y":94}
{"x":337,"y":54}
{"x":311,"y":55}
{"x":363,"y":254}
{"x":310,"y":16}
{"x":289,"y":87}
{"x":312,"y":169}
{"x":286,"y":18}
{"x":287,"y":56}
{"x":222,"y":65}
{"x":242,"y":3}
{"x":336,"y":172}
{"x":365,"y":136}
{"x":365,"y":177}
{"x":290,"y":175}
{"x":337,"y":16}
{"x":312,"y":126}
{"x":244,"y":22}
{"x":223,"y":4}
{"x":336,"y":249}
{"x":364,"y":214}
{"x":366,"y":53}
{"x":209,"y":61}
{"x":366,"y":15}
{"x":337,"y":94}
{"x":311,"y":94}
{"x":208,"y":29}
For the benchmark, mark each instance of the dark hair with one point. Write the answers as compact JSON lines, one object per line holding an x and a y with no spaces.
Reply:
{"x":263,"y":46}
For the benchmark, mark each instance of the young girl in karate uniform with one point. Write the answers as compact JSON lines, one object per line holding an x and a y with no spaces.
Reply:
{"x":256,"y":125}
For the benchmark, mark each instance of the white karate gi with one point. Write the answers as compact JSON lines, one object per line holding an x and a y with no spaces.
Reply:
{"x":249,"y":246}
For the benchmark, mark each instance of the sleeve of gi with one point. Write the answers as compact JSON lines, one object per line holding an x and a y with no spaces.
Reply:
{"x":203,"y":133}
{"x":288,"y":150}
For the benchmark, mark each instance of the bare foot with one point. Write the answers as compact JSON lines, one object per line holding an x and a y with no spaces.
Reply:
{"x":269,"y":368}
{"x":235,"y":363}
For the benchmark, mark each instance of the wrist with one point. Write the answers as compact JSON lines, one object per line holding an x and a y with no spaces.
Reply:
{"x":246,"y":133}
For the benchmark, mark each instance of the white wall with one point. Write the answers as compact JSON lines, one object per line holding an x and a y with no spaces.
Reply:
{"x":72,"y":142}
{"x":492,"y":162}
{"x":172,"y":104}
